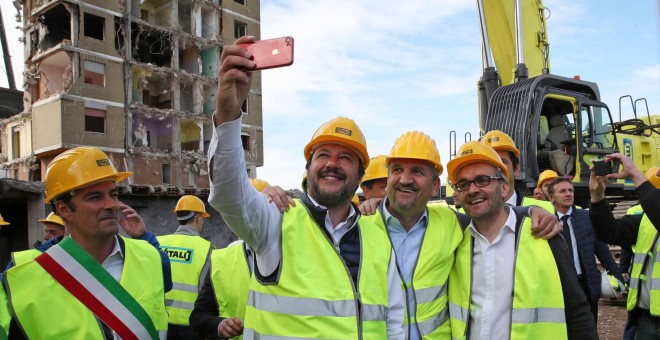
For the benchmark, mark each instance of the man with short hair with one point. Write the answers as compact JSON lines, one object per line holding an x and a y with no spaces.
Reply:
{"x":424,"y":236}
{"x":581,"y":241}
{"x":639,"y":231}
{"x":220,"y":307}
{"x":53,"y":226}
{"x":510,"y":155}
{"x":308,"y":259}
{"x":374,"y":182}
{"x":189,"y":255}
{"x":544,"y":181}
{"x":99,"y":284}
{"x":506,"y":284}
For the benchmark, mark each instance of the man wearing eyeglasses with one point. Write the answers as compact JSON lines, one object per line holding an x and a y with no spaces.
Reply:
{"x":510,"y":155}
{"x":505,"y":283}
{"x":424,"y":237}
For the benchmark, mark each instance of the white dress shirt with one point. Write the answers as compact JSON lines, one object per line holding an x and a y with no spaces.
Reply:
{"x":492,"y":282}
{"x":576,"y":255}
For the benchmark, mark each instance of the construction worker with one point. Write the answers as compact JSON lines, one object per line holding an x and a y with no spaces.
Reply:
{"x":506,"y":284}
{"x":374,"y":181}
{"x":424,"y":236}
{"x":220,"y":307}
{"x":99,"y":284}
{"x":189,"y":255}
{"x":510,"y":155}
{"x":538,"y":194}
{"x":53,"y":226}
{"x":544,"y":181}
{"x":54,"y":232}
{"x":639,"y":231}
{"x":581,"y":241}
{"x":308,"y":259}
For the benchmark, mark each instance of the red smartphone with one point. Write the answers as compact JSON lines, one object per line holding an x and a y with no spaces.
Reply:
{"x":271,"y":53}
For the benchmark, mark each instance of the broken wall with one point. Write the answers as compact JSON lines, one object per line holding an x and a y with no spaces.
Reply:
{"x":47,"y":124}
{"x":49,"y":129}
{"x":160,"y":219}
{"x":105,"y":45}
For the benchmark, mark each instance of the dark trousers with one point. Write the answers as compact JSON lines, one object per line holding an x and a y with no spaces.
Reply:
{"x":648,"y":327}
{"x":178,"y":332}
{"x":592,"y":304}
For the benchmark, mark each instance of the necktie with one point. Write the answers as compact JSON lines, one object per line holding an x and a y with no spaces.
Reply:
{"x":566,"y":232}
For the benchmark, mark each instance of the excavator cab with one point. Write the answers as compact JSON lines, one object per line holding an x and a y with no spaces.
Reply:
{"x":557,"y":123}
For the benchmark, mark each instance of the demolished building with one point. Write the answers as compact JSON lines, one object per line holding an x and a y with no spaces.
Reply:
{"x":136,"y":78}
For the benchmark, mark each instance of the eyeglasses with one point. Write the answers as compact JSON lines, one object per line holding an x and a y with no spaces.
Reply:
{"x":479,"y":182}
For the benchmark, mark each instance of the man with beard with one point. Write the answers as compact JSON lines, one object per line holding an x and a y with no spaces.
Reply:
{"x":424,"y":236}
{"x":506,"y":284}
{"x":581,"y":241}
{"x":424,"y":239}
{"x":319,"y":273}
{"x":98,"y":284}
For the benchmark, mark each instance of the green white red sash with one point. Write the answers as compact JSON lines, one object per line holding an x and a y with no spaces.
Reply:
{"x":93,"y":286}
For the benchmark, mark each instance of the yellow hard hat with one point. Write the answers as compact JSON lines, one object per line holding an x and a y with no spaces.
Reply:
{"x":416,"y":145}
{"x":652,"y":176}
{"x":500,"y":141}
{"x":355,"y":200}
{"x":2,"y":221}
{"x":259,"y":184}
{"x":77,"y":168}
{"x":377,"y":169}
{"x":545,"y":176}
{"x":191,"y":203}
{"x":52,"y":218}
{"x":475,"y":152}
{"x":342,"y":131}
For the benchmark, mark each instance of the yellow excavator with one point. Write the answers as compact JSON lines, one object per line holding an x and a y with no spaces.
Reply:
{"x":557,"y":123}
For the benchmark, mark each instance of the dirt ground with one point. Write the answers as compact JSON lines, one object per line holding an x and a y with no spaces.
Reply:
{"x":612,"y":318}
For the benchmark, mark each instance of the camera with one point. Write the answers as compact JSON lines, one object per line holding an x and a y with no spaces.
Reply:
{"x":602,"y":167}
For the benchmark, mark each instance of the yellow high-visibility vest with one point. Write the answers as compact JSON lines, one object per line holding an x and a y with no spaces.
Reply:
{"x":314,"y":296}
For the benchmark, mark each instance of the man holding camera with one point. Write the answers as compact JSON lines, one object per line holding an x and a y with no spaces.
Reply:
{"x":638,"y":231}
{"x":582,"y":243}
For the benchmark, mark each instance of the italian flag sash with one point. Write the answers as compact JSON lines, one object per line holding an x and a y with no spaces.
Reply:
{"x":91,"y":284}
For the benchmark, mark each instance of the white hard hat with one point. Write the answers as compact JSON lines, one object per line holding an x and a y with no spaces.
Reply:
{"x":611,"y":287}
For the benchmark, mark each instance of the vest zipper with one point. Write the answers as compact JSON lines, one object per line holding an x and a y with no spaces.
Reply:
{"x":356,"y":293}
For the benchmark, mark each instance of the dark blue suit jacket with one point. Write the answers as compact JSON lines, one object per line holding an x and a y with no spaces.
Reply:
{"x":588,"y":246}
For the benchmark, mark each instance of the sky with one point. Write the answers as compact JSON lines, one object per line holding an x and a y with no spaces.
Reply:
{"x":397,"y":66}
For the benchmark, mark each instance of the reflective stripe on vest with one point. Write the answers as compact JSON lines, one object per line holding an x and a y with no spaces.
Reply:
{"x":188,"y":255}
{"x":314,"y":296}
{"x":230,"y":276}
{"x":533,"y":315}
{"x":646,"y":239}
{"x":429,"y":281}
{"x":142,"y":277}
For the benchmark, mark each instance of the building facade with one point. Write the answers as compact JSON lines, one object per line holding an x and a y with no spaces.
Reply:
{"x":136,"y":78}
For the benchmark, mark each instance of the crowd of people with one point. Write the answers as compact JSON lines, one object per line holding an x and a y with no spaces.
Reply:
{"x":399,"y":266}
